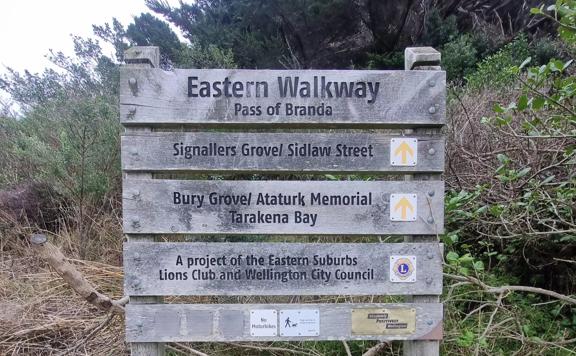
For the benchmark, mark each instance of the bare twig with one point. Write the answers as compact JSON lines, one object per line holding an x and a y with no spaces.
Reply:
{"x":505,"y":289}
{"x":376,"y":350}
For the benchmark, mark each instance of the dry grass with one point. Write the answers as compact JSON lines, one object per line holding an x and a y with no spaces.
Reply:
{"x":40,"y":314}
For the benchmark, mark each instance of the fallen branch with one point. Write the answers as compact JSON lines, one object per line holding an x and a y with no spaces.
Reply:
{"x":506,"y":289}
{"x":347,"y":348}
{"x":52,"y":255}
{"x":376,"y":350}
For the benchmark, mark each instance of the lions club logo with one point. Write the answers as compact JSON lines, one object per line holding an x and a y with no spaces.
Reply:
{"x":403,"y":268}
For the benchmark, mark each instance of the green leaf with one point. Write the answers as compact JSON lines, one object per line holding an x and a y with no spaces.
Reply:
{"x":536,"y":11}
{"x":522,"y":102}
{"x":467,"y":258}
{"x":538,"y":103}
{"x":525,"y":63}
{"x":523,"y":172}
{"x":452,"y":256}
{"x":548,"y":179}
{"x":498,"y":108}
{"x":479,"y":266}
{"x":502,"y":158}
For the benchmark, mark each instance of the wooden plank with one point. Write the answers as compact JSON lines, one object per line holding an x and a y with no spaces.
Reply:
{"x":282,"y":269}
{"x":282,"y":207}
{"x":232,"y":322}
{"x":270,"y":152}
{"x":379,"y":98}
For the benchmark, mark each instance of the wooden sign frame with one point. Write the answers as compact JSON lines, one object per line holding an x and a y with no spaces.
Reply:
{"x":151,"y":98}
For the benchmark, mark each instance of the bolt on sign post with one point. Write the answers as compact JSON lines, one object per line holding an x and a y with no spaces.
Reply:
{"x":155,"y":105}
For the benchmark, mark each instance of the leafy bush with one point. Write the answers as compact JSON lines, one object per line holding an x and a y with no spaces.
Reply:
{"x":459,"y":57}
{"x":516,"y":226}
{"x":497,"y":71}
{"x":195,"y":56}
{"x":438,"y":30}
{"x":392,"y":60}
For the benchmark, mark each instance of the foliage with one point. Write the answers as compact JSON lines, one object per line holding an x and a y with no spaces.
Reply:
{"x":68,"y":134}
{"x":193,"y":56}
{"x":459,"y":57}
{"x":517,"y":226}
{"x":439,"y":30}
{"x":497,"y":69}
{"x":393,"y":60}
{"x":147,"y":30}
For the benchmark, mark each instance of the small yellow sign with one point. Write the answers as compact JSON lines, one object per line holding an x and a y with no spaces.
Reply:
{"x":403,"y":207}
{"x":383,"y":321}
{"x":403,"y":151}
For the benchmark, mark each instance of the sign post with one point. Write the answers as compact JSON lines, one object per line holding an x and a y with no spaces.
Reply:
{"x":409,"y":100}
{"x":143,"y":58}
{"x":422,"y":58}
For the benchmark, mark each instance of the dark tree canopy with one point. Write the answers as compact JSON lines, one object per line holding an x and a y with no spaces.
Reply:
{"x":333,"y":33}
{"x":147,"y":30}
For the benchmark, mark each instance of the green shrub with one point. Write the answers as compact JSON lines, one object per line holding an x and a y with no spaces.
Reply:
{"x":497,"y":70}
{"x":542,"y":50}
{"x":439,"y":30}
{"x":459,"y":57}
{"x":195,"y":56}
{"x":392,"y":60}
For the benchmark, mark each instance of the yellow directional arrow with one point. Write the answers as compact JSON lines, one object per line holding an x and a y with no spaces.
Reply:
{"x":404,"y":149}
{"x":404,"y":205}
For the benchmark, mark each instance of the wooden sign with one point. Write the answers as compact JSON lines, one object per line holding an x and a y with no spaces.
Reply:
{"x":282,"y":207}
{"x":281,"y":152}
{"x":222,"y":97}
{"x":282,"y":322}
{"x":282,"y":268}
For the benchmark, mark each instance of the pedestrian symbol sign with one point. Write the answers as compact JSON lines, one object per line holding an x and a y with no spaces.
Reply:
{"x":403,"y":151}
{"x":300,"y":322}
{"x":403,"y":207}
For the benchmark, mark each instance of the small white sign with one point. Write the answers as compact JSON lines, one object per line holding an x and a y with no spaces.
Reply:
{"x":403,"y":269}
{"x":403,"y":207}
{"x":403,"y":151}
{"x":300,"y":322}
{"x":263,"y":322}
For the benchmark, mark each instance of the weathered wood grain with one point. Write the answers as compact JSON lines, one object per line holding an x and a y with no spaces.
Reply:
{"x":231,"y":322}
{"x":287,"y":269}
{"x":143,"y":57}
{"x":422,"y":58}
{"x":149,"y":207}
{"x":270,"y":152}
{"x":403,"y":99}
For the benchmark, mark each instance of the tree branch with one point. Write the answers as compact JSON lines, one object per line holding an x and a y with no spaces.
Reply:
{"x":376,"y":350}
{"x":52,"y":255}
{"x":506,"y":289}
